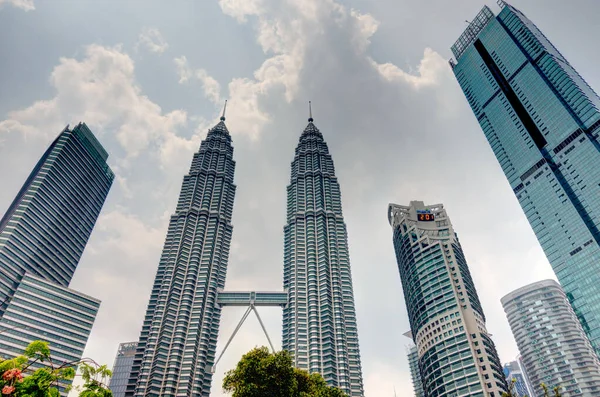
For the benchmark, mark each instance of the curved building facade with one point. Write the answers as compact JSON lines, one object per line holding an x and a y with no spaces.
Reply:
{"x":319,"y":322}
{"x":552,"y":343}
{"x":456,"y":355}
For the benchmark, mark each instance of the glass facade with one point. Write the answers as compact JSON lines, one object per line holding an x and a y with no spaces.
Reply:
{"x":514,"y":372}
{"x":42,"y":237}
{"x":542,"y":121}
{"x":415,"y":372}
{"x":177,"y":344}
{"x":456,"y":356}
{"x":553,"y":346}
{"x":50,"y":221}
{"x":122,"y":368}
{"x":319,"y":322}
{"x":42,"y":310}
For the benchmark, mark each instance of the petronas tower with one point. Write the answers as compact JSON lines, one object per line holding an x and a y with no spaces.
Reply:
{"x":319,"y":321}
{"x":179,"y":335}
{"x":176,"y":351}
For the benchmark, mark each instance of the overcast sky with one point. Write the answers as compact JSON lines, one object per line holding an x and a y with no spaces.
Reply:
{"x":149,"y":78}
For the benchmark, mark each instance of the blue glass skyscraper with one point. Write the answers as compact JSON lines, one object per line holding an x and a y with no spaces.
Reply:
{"x":319,"y":322}
{"x":542,"y":121}
{"x":47,"y":226}
{"x":42,"y":237}
{"x":176,"y":350}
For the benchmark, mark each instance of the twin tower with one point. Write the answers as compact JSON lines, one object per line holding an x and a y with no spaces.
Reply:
{"x":177,"y":346}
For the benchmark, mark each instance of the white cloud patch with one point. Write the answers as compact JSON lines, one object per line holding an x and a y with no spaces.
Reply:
{"x":211,"y":87}
{"x":286,"y":32}
{"x":429,"y":72}
{"x":101,"y":90}
{"x":152,"y":40}
{"x":26,"y":5}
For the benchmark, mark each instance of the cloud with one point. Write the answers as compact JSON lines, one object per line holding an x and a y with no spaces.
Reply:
{"x":101,"y":90}
{"x":287,"y":32}
{"x":429,"y":71}
{"x":26,"y":5}
{"x":152,"y":40}
{"x":212,"y":88}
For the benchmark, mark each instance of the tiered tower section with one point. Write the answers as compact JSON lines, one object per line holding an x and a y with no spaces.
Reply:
{"x":177,"y":344}
{"x":319,"y":322}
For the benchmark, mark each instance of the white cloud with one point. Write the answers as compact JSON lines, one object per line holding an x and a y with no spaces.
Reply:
{"x":429,"y":72}
{"x":152,"y":39}
{"x":239,"y":9}
{"x":287,"y":31}
{"x":101,"y":90}
{"x":211,"y":87}
{"x":127,"y":235}
{"x":26,"y":5}
{"x":367,"y":25}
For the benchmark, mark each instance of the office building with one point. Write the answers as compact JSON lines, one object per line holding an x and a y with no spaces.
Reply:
{"x":455,"y":352}
{"x":178,"y":340}
{"x":553,"y":346}
{"x":514,"y":373}
{"x":50,"y":221}
{"x":42,"y":310}
{"x":542,"y":122}
{"x":415,"y":372}
{"x":122,"y":368}
{"x":319,"y":322}
{"x":42,"y":237}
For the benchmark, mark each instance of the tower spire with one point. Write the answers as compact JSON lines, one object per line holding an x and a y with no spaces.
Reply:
{"x":224,"y":109}
{"x":310,"y":118}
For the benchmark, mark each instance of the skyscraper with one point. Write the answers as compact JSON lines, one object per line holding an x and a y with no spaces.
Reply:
{"x":42,"y":237}
{"x":47,"y":226}
{"x":514,"y":372}
{"x":456,"y":354}
{"x":551,"y":341}
{"x":415,"y":372}
{"x":542,"y":121}
{"x":122,"y":368}
{"x":319,"y":322}
{"x":178,"y":340}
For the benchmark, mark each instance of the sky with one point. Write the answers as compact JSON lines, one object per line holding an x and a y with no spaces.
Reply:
{"x":150,"y":77}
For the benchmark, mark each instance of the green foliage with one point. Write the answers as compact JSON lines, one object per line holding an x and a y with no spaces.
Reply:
{"x":19,"y":379}
{"x":95,"y":379}
{"x":261,"y":373}
{"x":38,"y":350}
{"x":511,"y":392}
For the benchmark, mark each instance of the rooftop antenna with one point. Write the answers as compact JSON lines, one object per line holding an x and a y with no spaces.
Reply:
{"x":224,"y":109}
{"x":310,"y":118}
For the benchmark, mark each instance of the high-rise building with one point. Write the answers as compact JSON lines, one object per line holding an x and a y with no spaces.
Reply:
{"x":122,"y":368}
{"x":42,"y":237}
{"x":177,"y":343}
{"x":542,"y":121}
{"x":528,"y":383}
{"x":43,"y":310}
{"x":319,"y":322}
{"x":415,"y":373}
{"x":50,"y":221}
{"x":456,"y":354}
{"x":514,"y":373}
{"x":551,"y":341}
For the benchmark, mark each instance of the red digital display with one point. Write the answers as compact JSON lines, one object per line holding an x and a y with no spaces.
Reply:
{"x":425,"y":217}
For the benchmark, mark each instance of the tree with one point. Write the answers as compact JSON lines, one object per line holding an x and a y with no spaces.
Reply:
{"x":261,"y":373}
{"x":18,"y":378}
{"x":511,"y":390}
